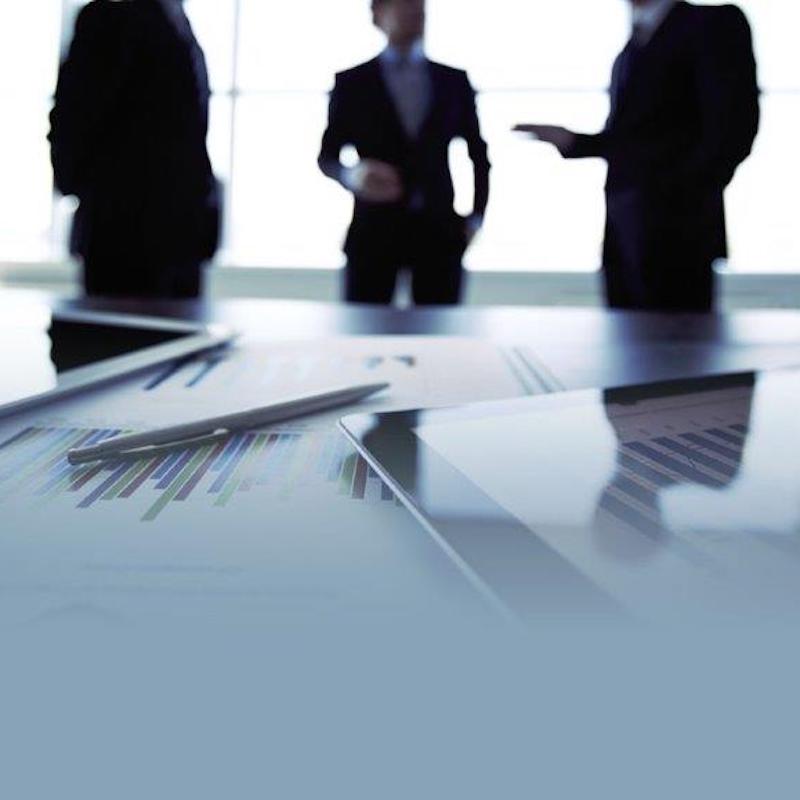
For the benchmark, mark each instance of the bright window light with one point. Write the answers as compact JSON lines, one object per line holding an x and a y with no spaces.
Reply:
{"x":272,"y":65}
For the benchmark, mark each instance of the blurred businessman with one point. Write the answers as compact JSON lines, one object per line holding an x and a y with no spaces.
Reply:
{"x":684,"y":115}
{"x":128,"y":139}
{"x":401,"y":112}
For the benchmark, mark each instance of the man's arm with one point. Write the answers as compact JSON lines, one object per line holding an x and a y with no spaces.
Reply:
{"x":478,"y":153}
{"x":89,"y":85}
{"x":727,"y":95}
{"x":370,"y":180}
{"x":727,"y":91}
{"x":336,"y":136}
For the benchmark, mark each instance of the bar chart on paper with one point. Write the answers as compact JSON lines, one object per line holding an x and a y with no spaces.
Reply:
{"x":280,"y":522}
{"x":275,"y":463}
{"x":290,"y":470}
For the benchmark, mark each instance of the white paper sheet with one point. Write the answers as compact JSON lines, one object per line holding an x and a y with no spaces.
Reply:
{"x":287,"y":519}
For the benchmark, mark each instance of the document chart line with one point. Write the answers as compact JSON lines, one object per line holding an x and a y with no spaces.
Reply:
{"x":33,"y":465}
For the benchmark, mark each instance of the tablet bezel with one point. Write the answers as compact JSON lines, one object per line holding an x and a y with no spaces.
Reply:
{"x":200,"y":337}
{"x":516,"y":571}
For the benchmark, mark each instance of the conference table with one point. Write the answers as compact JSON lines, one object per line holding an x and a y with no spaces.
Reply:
{"x":571,"y":348}
{"x":304,"y":702}
{"x":580,"y":347}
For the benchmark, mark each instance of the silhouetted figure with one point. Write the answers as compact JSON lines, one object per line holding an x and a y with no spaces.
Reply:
{"x":128,"y":139}
{"x":401,"y":112}
{"x":684,"y":115}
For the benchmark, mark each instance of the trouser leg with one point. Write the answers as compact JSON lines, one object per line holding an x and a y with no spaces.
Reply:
{"x":369,"y":280}
{"x":118,"y":277}
{"x":437,"y":272}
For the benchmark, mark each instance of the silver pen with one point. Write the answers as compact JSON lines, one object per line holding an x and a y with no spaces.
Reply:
{"x":207,"y":430}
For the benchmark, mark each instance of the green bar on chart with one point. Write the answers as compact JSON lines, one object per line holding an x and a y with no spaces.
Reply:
{"x":177,"y":483}
{"x":241,"y":470}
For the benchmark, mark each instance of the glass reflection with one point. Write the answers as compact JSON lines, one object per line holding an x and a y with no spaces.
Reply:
{"x":26,"y":356}
{"x":762,"y":505}
{"x":646,"y":469}
{"x":405,"y":459}
{"x":38,"y":347}
{"x":676,"y":500}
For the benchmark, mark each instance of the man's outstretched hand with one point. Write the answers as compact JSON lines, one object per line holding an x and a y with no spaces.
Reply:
{"x":561,"y":138}
{"x":375,"y":181}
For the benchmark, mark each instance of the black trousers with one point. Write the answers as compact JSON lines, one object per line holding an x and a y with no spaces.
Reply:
{"x":138,"y":279}
{"x":659,"y":256}
{"x":430,"y":248}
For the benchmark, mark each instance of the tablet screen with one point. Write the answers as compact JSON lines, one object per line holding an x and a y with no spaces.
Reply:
{"x":675,"y":500}
{"x":76,"y":343}
{"x":39,"y":347}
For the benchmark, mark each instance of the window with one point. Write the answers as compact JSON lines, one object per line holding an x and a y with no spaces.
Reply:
{"x":27,"y":74}
{"x":272,"y":64}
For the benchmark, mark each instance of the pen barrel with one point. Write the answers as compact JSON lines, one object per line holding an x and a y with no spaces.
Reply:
{"x":183,"y":434}
{"x":149,"y":451}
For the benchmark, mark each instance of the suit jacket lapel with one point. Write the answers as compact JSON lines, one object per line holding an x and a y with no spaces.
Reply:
{"x":384,"y":104}
{"x":435,"y":101}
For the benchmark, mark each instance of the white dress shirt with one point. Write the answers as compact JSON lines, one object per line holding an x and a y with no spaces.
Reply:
{"x":409,"y":83}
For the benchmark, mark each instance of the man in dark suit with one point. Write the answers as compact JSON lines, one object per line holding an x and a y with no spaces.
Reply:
{"x":401,"y":112}
{"x":128,"y":139}
{"x":684,"y":115}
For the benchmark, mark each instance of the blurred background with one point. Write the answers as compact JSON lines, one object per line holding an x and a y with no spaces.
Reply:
{"x":271,"y":66}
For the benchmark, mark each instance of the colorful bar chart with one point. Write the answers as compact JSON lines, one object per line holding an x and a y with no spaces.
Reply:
{"x":33,"y":464}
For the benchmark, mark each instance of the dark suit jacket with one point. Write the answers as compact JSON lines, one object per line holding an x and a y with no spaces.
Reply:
{"x":684,"y":115}
{"x":362,"y":114}
{"x":128,"y":135}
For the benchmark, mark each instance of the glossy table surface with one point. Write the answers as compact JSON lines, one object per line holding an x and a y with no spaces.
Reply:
{"x":383,"y":710}
{"x":582,"y":347}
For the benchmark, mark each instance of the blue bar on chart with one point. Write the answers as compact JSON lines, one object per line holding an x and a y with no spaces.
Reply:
{"x":34,"y":463}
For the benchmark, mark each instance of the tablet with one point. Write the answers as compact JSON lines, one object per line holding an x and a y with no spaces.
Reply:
{"x":677,"y":501}
{"x":48,"y":354}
